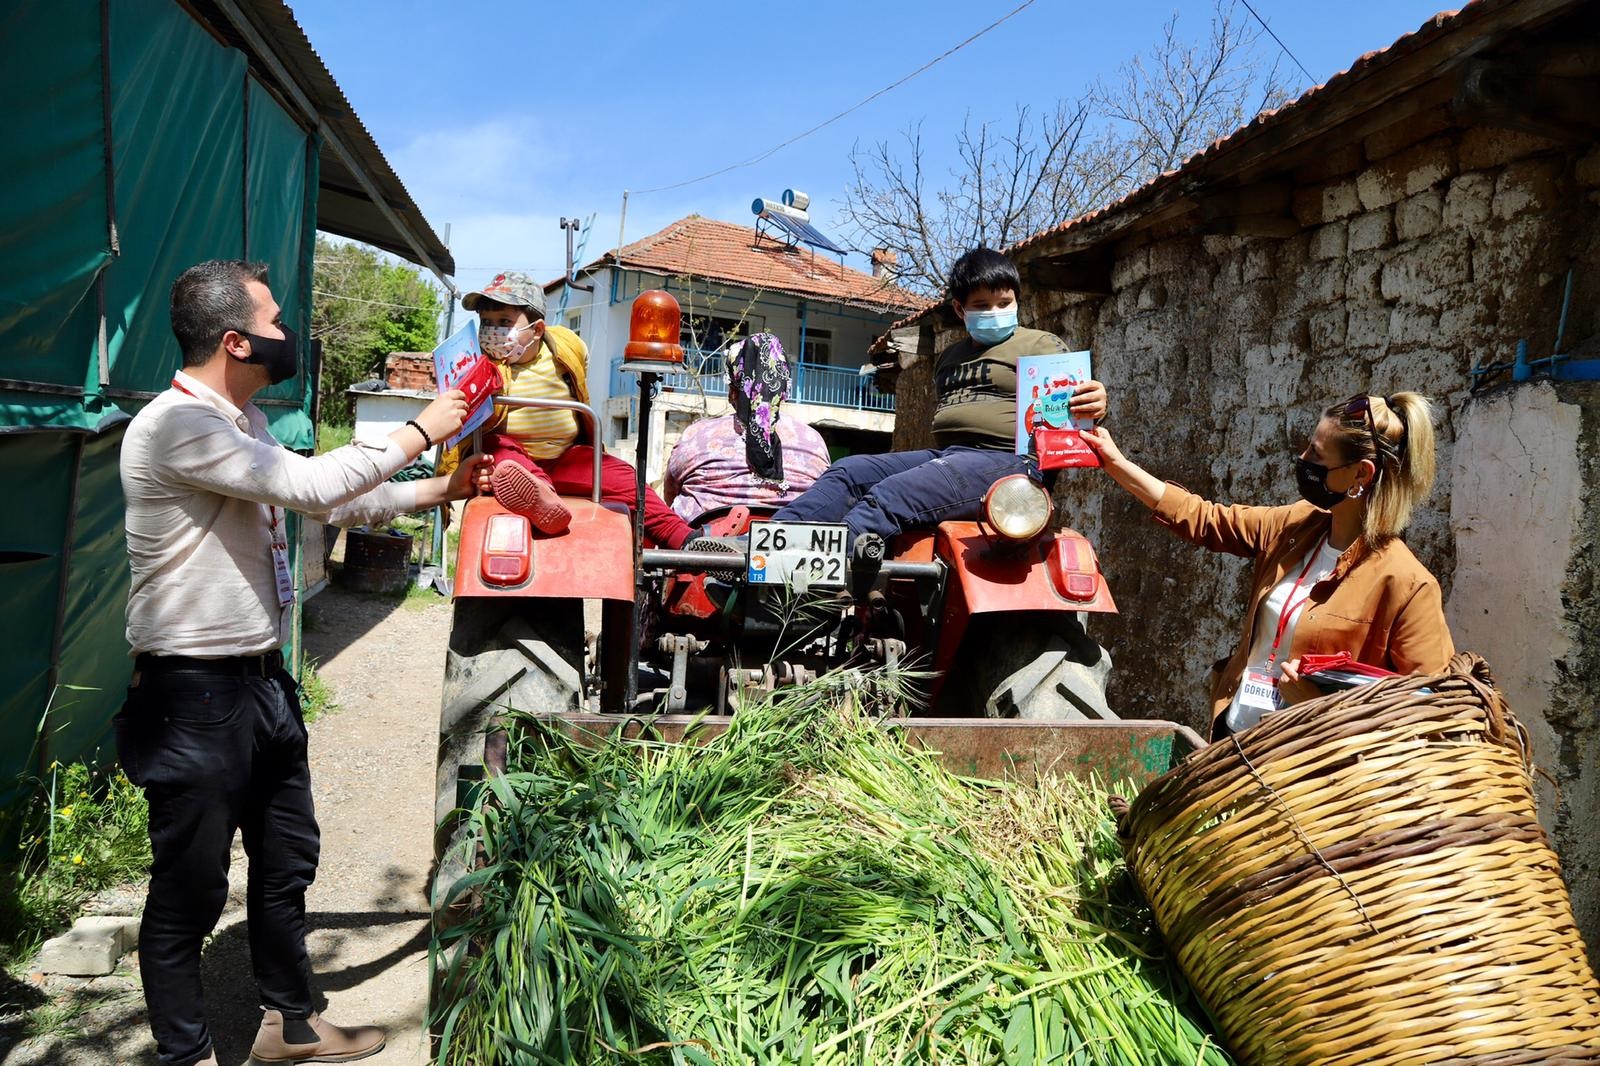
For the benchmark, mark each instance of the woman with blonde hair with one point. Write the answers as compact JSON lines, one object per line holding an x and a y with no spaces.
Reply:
{"x":1331,"y":573}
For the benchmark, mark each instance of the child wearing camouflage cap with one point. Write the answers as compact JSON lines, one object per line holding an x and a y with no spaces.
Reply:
{"x":541,"y":455}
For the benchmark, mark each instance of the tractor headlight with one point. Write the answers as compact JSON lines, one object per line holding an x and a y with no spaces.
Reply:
{"x":1017,"y":508}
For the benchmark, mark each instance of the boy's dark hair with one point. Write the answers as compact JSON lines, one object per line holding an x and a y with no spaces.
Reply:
{"x":208,"y":300}
{"x":983,"y":268}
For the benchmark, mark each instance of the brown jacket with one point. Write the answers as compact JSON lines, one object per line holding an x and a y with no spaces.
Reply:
{"x":1381,"y":605}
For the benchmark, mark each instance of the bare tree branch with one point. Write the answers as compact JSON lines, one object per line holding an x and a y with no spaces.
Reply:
{"x":1157,"y":110}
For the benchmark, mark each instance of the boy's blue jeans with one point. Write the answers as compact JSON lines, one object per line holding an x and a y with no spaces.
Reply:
{"x":888,"y":494}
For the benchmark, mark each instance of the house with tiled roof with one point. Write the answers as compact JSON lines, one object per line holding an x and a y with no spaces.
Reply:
{"x":732,"y":281}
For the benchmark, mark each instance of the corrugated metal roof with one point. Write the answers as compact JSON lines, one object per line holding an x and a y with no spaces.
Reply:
{"x":266,"y":31}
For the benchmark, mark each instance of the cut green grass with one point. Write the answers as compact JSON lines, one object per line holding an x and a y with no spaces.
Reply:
{"x":803,"y":888}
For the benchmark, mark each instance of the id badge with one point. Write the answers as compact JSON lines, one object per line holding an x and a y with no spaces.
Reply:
{"x":1259,"y":691}
{"x":282,"y":573}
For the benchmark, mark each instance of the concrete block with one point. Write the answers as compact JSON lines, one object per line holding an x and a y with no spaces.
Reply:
{"x":1306,"y":205}
{"x":90,"y":948}
{"x":1524,"y":186}
{"x":1367,"y":328}
{"x":1340,"y":200}
{"x":1130,"y":268}
{"x":1379,"y":187}
{"x":1361,"y":284}
{"x":1375,"y":229}
{"x":1468,"y":200}
{"x":1467,"y":322}
{"x":1425,"y":165}
{"x":1327,"y":328}
{"x":1321,"y":283}
{"x":1329,"y":242}
{"x":1259,"y":261}
{"x":1423,"y":274}
{"x":1419,"y":215}
{"x":1172,"y":256}
{"x":1409,"y":324}
{"x":1152,"y":295}
{"x":1504,"y":254}
{"x":1146,"y":331}
{"x":1483,"y":147}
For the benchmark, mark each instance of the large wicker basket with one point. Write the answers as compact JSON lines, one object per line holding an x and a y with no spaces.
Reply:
{"x":1362,"y":879}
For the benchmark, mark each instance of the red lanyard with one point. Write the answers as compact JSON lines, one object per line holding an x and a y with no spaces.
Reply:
{"x":272,"y":512}
{"x":1289,"y":604}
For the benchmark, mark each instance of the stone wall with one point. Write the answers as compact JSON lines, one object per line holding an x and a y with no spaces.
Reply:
{"x":1423,"y":250}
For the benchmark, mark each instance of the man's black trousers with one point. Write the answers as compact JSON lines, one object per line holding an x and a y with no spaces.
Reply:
{"x":218,"y":747}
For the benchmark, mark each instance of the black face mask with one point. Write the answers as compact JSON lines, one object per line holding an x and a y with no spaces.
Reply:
{"x":1312,"y":480}
{"x":280,"y":356}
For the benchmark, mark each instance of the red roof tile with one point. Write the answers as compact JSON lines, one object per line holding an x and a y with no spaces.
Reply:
{"x":737,"y":255}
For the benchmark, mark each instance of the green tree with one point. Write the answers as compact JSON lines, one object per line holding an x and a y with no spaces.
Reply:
{"x":365,"y":306}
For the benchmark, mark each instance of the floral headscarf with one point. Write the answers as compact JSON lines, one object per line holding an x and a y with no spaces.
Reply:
{"x":758,"y":381}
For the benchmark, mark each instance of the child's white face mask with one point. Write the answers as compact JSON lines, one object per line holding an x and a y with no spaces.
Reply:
{"x":500,"y":343}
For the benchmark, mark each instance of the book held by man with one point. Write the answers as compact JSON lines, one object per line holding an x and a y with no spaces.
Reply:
{"x":1045,"y":426}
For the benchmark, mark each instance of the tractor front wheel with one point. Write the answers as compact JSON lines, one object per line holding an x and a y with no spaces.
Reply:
{"x":1039,"y":665}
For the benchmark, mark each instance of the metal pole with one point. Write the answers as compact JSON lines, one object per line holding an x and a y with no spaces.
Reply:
{"x":641,"y":455}
{"x":449,"y":295}
{"x":800,"y":357}
{"x":622,"y":227}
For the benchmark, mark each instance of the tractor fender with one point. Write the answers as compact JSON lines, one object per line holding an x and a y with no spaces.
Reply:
{"x":591,"y":559}
{"x":988,"y":575}
{"x":991,"y":575}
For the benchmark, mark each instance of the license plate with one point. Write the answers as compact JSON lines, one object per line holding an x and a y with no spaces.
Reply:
{"x":804,"y":554}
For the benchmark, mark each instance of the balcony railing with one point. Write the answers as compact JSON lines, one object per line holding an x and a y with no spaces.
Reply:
{"x":814,"y":383}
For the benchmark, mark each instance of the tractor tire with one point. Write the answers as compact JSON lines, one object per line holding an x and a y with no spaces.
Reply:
{"x":1036,"y":666}
{"x":525,"y":655}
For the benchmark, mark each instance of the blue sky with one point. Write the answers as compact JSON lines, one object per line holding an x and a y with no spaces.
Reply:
{"x":502,"y":118}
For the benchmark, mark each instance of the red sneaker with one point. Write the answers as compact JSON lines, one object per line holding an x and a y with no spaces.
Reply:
{"x":520,"y":490}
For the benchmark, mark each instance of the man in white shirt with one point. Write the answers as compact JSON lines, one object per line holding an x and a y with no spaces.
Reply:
{"x":212,"y":727}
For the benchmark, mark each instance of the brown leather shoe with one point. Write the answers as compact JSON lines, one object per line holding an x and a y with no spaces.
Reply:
{"x":313,"y":1039}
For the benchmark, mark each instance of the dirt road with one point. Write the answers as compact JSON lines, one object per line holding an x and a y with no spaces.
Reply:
{"x":372,"y":772}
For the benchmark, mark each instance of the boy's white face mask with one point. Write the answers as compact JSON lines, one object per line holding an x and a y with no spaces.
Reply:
{"x":502,"y":343}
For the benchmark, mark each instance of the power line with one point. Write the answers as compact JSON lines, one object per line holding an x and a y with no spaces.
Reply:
{"x":374,"y":303}
{"x":828,"y":122}
{"x":1275,"y":37}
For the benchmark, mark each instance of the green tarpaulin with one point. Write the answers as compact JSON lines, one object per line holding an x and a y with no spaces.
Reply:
{"x":136,"y":145}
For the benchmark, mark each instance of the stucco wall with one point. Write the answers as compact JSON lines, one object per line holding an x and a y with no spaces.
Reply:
{"x":1524,"y":599}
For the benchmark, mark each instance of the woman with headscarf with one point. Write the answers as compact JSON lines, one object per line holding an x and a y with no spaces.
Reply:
{"x":751,"y":456}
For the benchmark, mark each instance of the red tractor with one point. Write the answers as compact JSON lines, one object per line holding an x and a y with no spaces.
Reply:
{"x":989,"y":614}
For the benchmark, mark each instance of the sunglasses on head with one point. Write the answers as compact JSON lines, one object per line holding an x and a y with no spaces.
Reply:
{"x":1362,"y":405}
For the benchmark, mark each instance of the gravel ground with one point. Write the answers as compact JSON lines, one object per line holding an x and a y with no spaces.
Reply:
{"x":372,"y":767}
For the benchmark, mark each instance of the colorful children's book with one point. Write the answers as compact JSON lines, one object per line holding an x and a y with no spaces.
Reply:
{"x":458,"y":364}
{"x":1045,"y":426}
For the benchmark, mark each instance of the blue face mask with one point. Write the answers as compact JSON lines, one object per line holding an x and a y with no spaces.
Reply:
{"x":992,"y":327}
